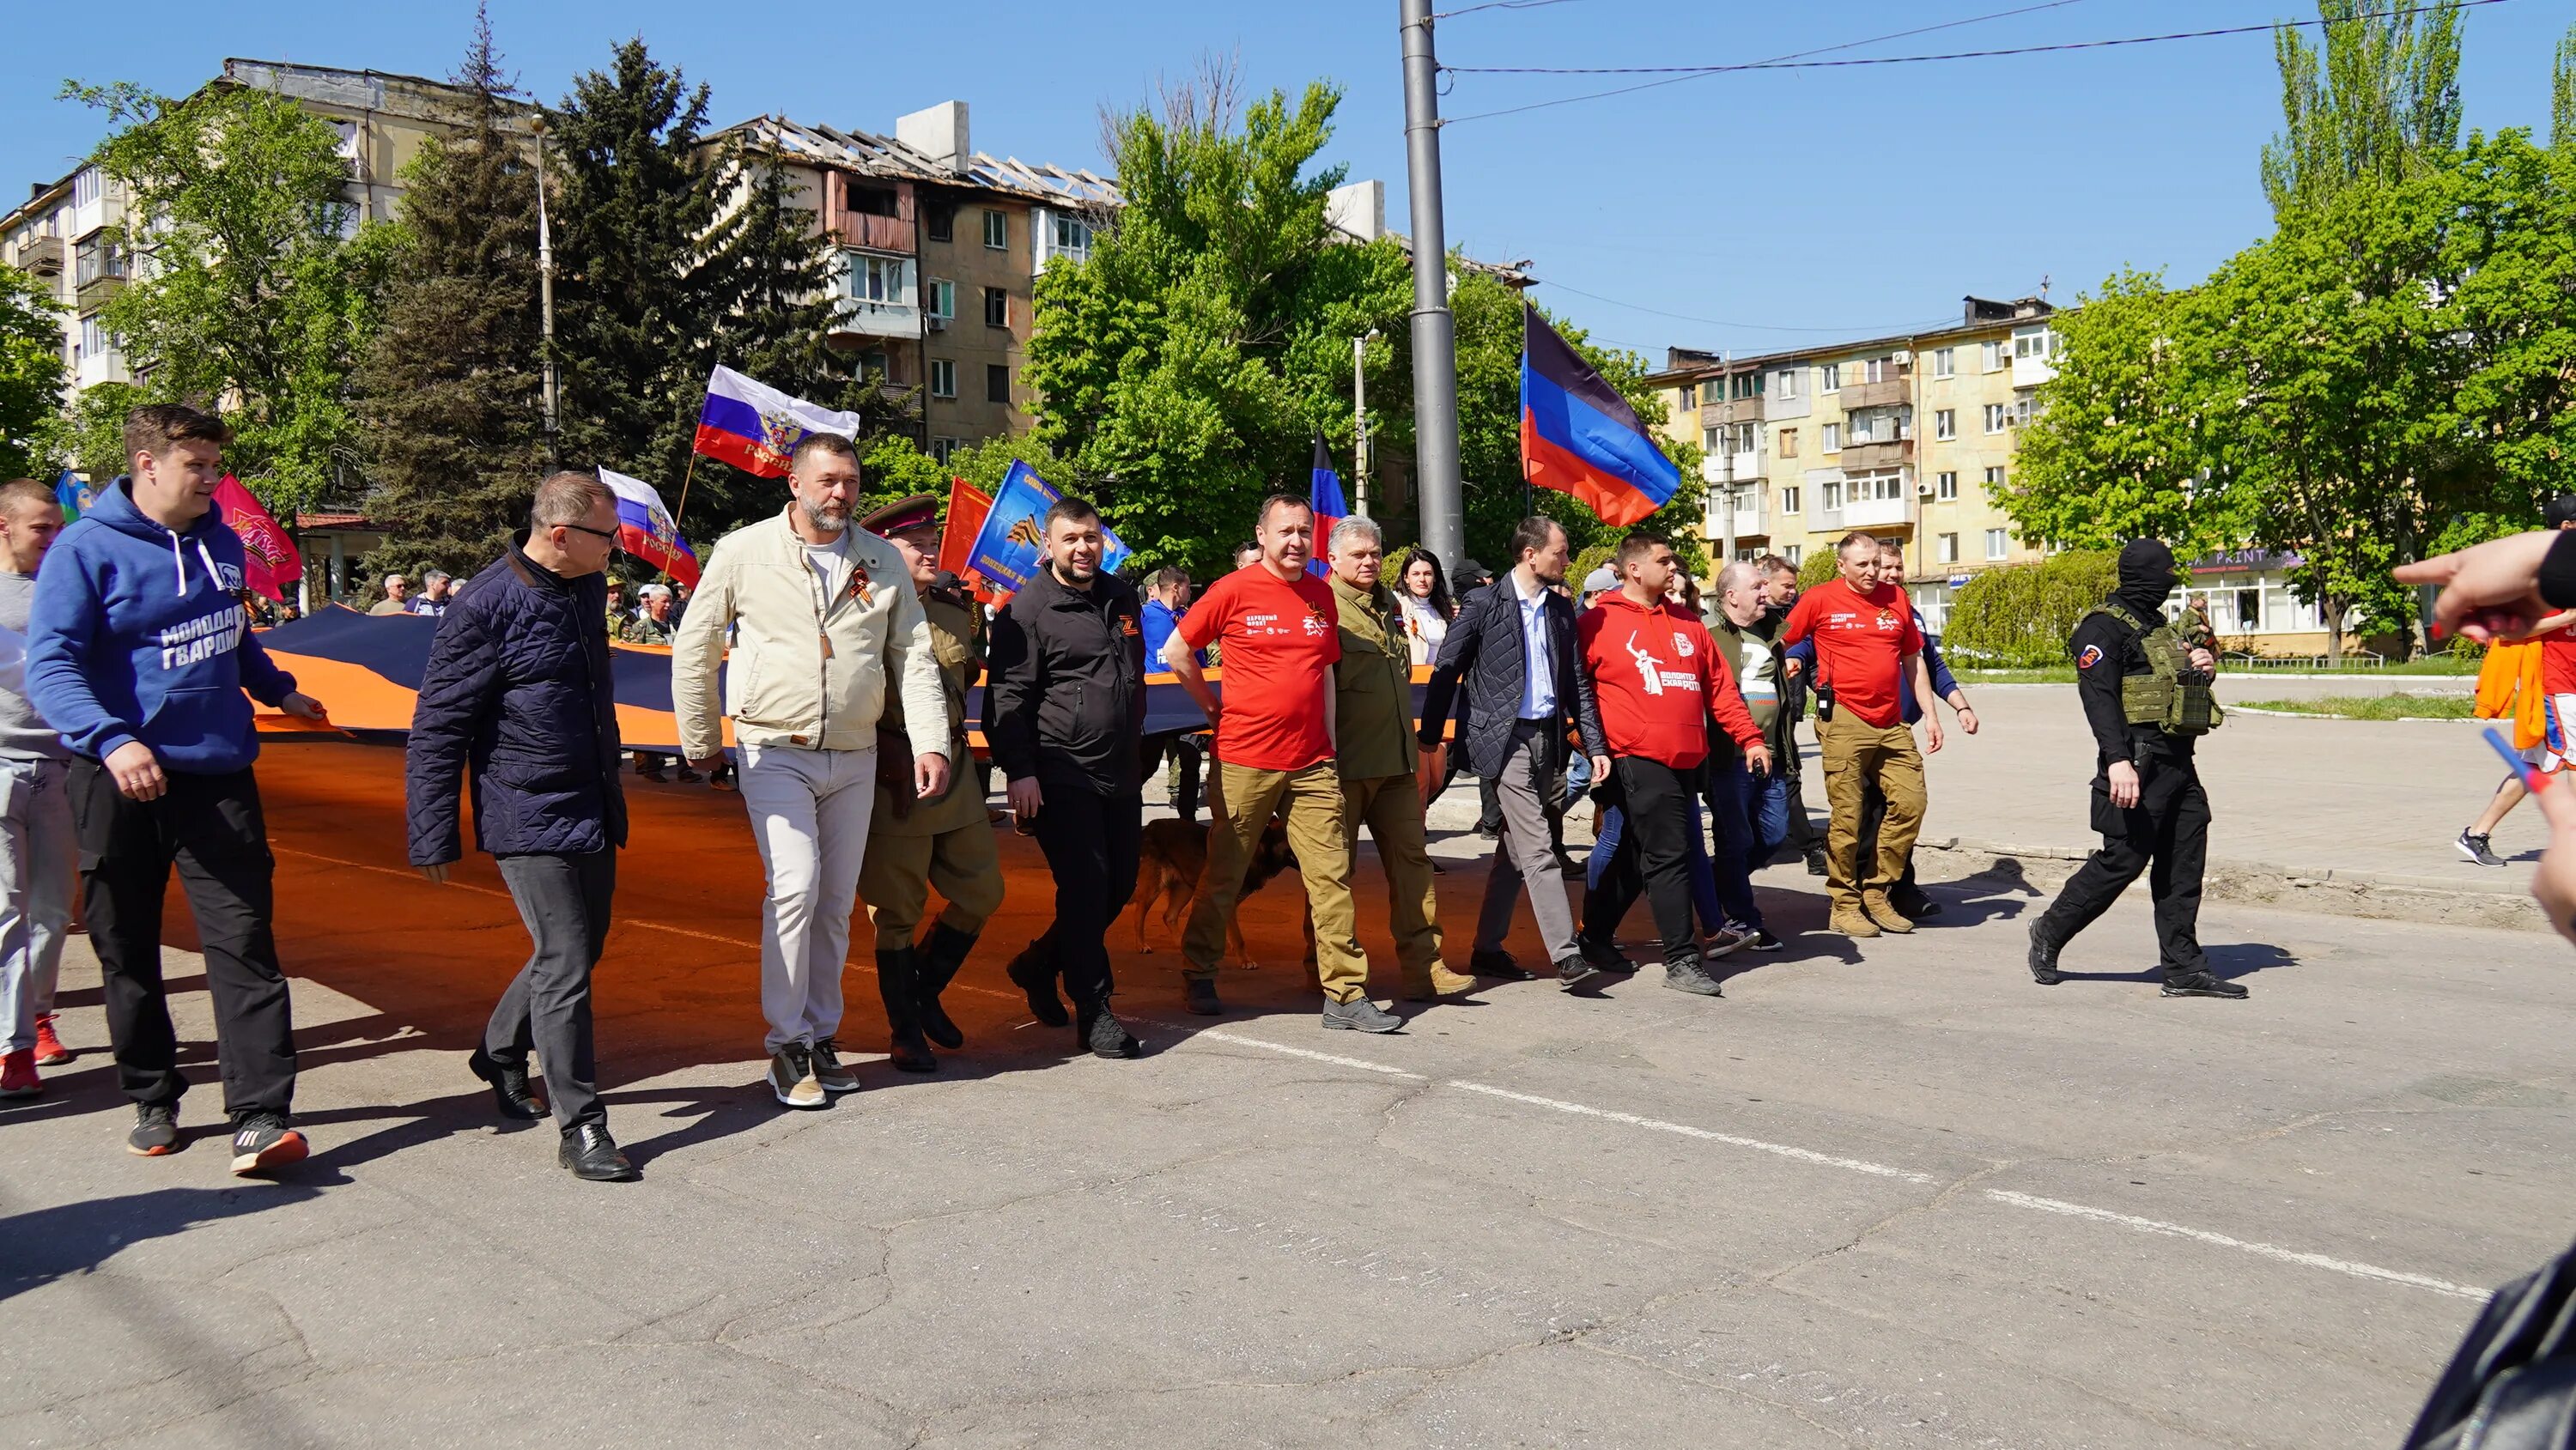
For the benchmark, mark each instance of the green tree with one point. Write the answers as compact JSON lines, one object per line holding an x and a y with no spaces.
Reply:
{"x":31,"y":373}
{"x":2505,"y":395}
{"x":2377,"y":100}
{"x":255,"y":284}
{"x":2019,"y":616}
{"x":2562,"y":93}
{"x":89,"y":435}
{"x":451,"y":389}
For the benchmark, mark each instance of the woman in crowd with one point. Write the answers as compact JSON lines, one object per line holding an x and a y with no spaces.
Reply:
{"x":1425,"y":600}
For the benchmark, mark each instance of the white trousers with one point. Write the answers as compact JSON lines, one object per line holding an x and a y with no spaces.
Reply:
{"x":809,"y":813}
{"x":37,"y":847}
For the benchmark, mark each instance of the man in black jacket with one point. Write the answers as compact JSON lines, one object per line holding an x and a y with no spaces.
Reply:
{"x":1513,"y":647}
{"x":517,"y":696}
{"x":1065,"y":711}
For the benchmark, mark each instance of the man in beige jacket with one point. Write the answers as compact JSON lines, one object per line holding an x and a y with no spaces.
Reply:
{"x":824,"y":618}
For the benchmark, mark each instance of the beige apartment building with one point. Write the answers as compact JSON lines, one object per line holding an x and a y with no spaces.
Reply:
{"x":1912,"y":438}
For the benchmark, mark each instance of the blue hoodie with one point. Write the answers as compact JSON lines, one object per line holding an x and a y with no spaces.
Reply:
{"x":137,"y":633}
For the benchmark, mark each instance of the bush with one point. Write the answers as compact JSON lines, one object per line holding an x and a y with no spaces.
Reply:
{"x":1596,"y":557}
{"x":1821,"y":566}
{"x":2020,"y":615}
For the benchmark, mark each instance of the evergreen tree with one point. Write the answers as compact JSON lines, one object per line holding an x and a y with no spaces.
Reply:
{"x":451,"y":389}
{"x":2562,"y":93}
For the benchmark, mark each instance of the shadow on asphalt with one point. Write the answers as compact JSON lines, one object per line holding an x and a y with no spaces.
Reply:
{"x":51,"y":1243}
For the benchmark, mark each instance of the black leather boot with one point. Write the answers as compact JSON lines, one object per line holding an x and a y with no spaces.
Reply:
{"x":940,"y":955}
{"x":898,"y":975}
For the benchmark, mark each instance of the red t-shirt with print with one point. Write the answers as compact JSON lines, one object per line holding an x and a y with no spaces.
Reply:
{"x":1860,"y":638}
{"x":1280,"y":640}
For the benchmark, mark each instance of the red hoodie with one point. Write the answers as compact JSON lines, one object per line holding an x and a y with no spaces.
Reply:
{"x":1659,"y":678}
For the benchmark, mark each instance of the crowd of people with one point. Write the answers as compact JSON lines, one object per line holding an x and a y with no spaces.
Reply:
{"x":846,"y":659}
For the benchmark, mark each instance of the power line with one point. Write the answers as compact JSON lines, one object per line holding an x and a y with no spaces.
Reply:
{"x":1500,"y":5}
{"x":1748,"y":326}
{"x":1675,"y":74}
{"x":1775,"y":60}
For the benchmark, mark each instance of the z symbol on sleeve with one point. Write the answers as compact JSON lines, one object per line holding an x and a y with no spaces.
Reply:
{"x":2092,"y":656}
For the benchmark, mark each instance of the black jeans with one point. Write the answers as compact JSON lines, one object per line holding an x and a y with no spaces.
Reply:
{"x":565,"y":902}
{"x":1653,"y":855}
{"x":210,"y":827}
{"x":1090,"y":841}
{"x":1188,"y":754}
{"x":2166,"y":834}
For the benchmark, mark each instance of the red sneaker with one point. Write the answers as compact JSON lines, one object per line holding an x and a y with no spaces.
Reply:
{"x":18,"y":1075}
{"x":50,"y":1051}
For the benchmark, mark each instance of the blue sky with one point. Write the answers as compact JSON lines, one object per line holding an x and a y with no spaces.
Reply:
{"x":1748,"y":211}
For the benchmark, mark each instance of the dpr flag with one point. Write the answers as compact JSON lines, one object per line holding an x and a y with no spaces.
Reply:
{"x":1325,"y":494}
{"x":755,"y":427}
{"x":1007,"y":548}
{"x":270,"y":560}
{"x":1579,"y":436}
{"x":646,"y":530}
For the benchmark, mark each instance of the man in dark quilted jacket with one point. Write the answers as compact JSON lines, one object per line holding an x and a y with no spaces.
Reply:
{"x":517,"y":697}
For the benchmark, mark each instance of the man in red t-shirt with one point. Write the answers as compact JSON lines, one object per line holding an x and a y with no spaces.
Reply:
{"x":1278,"y":632}
{"x":1867,"y":651}
{"x":1661,"y":682}
{"x":2556,"y":748}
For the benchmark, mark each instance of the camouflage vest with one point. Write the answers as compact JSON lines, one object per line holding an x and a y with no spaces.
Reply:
{"x":2172,"y":696}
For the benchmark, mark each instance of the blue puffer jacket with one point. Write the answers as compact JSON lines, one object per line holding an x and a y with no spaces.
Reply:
{"x":518,"y":696}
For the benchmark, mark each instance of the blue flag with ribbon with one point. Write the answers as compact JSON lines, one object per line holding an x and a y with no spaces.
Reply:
{"x":1008,"y":547}
{"x":1325,"y":494}
{"x":74,"y":495}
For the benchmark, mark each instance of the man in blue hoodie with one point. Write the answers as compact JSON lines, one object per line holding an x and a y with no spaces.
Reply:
{"x":138,"y":652}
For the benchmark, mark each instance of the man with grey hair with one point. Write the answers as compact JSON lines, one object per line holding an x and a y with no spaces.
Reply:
{"x":397,"y":597}
{"x":434,"y":596}
{"x":1377,"y":756}
{"x":825,"y":623}
{"x":517,"y":697}
{"x":1749,"y":808}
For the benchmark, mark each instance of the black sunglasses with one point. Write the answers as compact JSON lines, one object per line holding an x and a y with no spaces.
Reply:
{"x":608,"y":534}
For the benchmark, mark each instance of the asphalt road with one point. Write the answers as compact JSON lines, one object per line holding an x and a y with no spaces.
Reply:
{"x":1892,"y":1197}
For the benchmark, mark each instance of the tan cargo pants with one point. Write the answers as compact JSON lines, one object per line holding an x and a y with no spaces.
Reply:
{"x":1314,"y":808}
{"x":1855,"y":754}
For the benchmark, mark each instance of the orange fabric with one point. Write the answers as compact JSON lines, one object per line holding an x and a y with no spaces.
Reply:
{"x":2509,"y":683}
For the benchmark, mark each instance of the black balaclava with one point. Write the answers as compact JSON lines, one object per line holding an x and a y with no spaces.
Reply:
{"x":2146,"y":576}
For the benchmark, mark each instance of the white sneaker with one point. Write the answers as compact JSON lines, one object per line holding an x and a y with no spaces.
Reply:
{"x":791,"y":1077}
{"x":1721,"y":942}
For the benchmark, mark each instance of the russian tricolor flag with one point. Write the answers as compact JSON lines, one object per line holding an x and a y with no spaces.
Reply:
{"x":1324,"y":494}
{"x":755,"y":427}
{"x":1579,"y":436}
{"x":646,"y":530}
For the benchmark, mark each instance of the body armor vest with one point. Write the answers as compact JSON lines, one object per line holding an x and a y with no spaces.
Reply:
{"x":2172,"y":696}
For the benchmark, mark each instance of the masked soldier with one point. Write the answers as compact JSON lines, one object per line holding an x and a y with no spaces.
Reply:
{"x":2146,"y":693}
{"x":914,"y":845}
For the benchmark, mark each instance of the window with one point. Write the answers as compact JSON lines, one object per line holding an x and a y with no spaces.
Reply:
{"x":1745,"y":385}
{"x":1883,"y":370}
{"x":1997,"y":544}
{"x":997,"y":230}
{"x":1994,"y":481}
{"x":874,"y":364}
{"x":1072,"y":237}
{"x":1833,"y":441}
{"x":1789,"y":499}
{"x":94,"y":258}
{"x":872,"y":200}
{"x":1791,"y":554}
{"x":1788,"y":442}
{"x":1831,"y":495}
{"x":1945,"y":423}
{"x":943,"y":377}
{"x":1712,"y":440}
{"x":997,"y":383}
{"x":1949,"y":550}
{"x":1994,"y":356}
{"x":1994,"y":417}
{"x":2034,"y":342}
{"x":939,"y":224}
{"x":943,"y":300}
{"x":1945,"y":487}
{"x":95,"y":341}
{"x":85,"y":186}
{"x":1788,"y":384}
{"x":997,"y":307}
{"x":1945,"y":362}
{"x":1748,"y":437}
{"x":941,"y":448}
{"x":1833,"y":378}
{"x":886,"y":281}
{"x":1684,"y":398}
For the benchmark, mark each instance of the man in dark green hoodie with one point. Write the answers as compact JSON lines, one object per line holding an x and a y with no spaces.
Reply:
{"x":138,"y":652}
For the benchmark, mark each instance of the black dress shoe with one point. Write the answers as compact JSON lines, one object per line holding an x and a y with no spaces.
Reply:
{"x":2202,"y":984}
{"x":1601,"y":955}
{"x":1816,"y":864}
{"x":1914,"y":905}
{"x":1498,"y":967}
{"x":593,"y":1157}
{"x":1036,"y":978}
{"x":2043,"y":959}
{"x":510,"y":1095}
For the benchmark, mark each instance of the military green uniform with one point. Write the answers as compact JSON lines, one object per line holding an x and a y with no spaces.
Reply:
{"x":914,"y":845}
{"x":1375,"y":750}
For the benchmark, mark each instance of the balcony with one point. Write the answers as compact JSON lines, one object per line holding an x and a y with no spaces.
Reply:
{"x":94,"y":293}
{"x":1750,"y":521}
{"x":42,"y":256}
{"x":1889,"y":393}
{"x":1868,"y":513}
{"x":1736,"y":410}
{"x":1857,"y":457}
{"x":865,"y":318}
{"x":2030,"y":372}
{"x":868,"y":230}
{"x":1747,"y":466}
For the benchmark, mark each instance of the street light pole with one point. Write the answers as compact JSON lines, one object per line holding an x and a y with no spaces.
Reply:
{"x":1435,"y":337}
{"x":546,"y":292}
{"x":1359,"y":419}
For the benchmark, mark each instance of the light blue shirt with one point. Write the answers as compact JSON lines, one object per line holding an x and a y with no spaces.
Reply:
{"x":1538,"y":684}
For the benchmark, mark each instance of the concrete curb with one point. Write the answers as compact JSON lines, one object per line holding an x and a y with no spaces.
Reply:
{"x":2370,"y":895}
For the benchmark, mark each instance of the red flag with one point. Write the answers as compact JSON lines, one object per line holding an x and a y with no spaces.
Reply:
{"x":967,"y":506}
{"x":269,"y":559}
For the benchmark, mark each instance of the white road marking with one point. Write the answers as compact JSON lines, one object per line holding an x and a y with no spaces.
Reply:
{"x":2268,"y":1251}
{"x":1803,"y":1155}
{"x":1212,"y":1035}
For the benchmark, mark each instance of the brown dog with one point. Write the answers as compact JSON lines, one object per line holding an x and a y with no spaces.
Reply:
{"x":1172,"y":858}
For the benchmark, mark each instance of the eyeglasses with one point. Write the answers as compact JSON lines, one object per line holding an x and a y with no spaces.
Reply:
{"x":608,"y":534}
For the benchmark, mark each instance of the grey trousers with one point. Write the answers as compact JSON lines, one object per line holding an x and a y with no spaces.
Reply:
{"x":1522,"y":852}
{"x":564,"y":900}
{"x":36,"y":852}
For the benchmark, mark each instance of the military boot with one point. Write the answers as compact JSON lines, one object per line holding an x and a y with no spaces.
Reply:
{"x":898,"y":978}
{"x":940,"y":955}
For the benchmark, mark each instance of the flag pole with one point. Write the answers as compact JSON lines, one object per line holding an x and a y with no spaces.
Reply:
{"x":685,"y":480}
